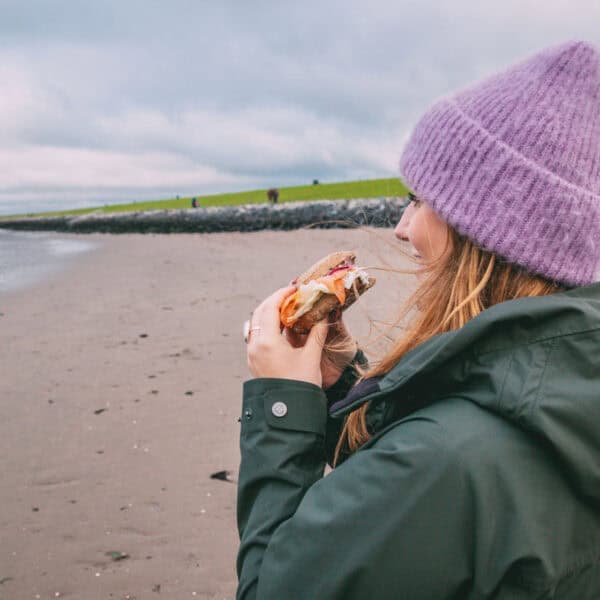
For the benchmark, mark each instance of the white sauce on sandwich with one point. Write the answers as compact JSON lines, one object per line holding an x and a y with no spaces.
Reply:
{"x":310,"y":292}
{"x":353,"y":275}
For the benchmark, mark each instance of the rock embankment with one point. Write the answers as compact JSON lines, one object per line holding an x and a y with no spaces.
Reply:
{"x":375,"y":212}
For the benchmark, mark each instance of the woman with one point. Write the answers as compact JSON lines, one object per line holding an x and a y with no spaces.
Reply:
{"x":467,"y":461}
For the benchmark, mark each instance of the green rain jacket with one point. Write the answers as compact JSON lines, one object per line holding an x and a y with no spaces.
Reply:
{"x":491,"y":489}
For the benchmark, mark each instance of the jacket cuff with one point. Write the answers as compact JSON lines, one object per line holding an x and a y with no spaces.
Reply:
{"x":284,"y":404}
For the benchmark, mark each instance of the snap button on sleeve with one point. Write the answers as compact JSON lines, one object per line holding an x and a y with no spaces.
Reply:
{"x":293,"y":405}
{"x":279,"y":409}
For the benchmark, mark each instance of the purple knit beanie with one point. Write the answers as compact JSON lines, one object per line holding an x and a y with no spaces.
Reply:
{"x":513,"y":163}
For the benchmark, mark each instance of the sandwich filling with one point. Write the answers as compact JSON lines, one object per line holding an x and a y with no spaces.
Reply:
{"x":336,"y":282}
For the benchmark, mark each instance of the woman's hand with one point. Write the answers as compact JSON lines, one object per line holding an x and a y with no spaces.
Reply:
{"x":340,"y":349}
{"x":270,"y":354}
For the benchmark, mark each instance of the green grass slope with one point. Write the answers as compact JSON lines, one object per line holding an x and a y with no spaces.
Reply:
{"x":371,"y":188}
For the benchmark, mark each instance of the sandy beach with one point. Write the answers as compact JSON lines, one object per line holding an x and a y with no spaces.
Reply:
{"x":120,"y":390}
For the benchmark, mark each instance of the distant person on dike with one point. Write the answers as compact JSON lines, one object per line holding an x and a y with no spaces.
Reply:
{"x":194,"y":203}
{"x":273,"y":195}
{"x":467,"y":459}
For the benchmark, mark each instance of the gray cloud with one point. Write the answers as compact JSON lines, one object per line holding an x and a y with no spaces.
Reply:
{"x":117,"y":101}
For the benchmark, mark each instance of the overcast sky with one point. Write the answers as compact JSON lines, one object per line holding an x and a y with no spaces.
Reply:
{"x":114,"y":101}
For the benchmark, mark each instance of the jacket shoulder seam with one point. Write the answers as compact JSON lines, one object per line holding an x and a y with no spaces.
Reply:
{"x":504,"y":379}
{"x":538,"y":393}
{"x":538,"y":340}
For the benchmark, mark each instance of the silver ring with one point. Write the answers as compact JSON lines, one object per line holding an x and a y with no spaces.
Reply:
{"x":248,"y":330}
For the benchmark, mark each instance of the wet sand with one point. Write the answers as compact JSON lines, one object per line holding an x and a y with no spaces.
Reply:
{"x":120,"y":383}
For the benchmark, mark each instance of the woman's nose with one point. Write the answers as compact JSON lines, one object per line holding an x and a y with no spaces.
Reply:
{"x":401,"y":230}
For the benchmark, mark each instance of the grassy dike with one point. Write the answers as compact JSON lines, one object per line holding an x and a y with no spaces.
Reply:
{"x":348,"y":190}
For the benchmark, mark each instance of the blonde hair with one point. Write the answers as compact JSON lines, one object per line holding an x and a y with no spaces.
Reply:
{"x":460,"y":284}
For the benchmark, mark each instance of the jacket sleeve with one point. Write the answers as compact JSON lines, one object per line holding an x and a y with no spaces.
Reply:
{"x":392,"y":521}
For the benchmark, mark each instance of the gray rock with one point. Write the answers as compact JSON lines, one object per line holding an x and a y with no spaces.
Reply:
{"x":375,"y":212}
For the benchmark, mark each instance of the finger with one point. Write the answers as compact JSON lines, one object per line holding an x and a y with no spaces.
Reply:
{"x":337,"y":328}
{"x":266,"y":316}
{"x":316,"y":338}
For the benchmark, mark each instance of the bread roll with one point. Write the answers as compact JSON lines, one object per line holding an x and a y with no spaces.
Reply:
{"x":326,"y":301}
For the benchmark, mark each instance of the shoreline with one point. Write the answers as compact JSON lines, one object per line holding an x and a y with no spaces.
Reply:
{"x":32,"y":258}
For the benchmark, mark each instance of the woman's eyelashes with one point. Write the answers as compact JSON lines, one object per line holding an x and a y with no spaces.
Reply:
{"x":414,"y":200}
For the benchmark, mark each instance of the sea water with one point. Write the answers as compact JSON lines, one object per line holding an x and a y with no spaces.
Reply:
{"x":27,"y":258}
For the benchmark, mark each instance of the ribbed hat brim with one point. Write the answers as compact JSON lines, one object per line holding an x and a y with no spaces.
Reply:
{"x":484,"y":189}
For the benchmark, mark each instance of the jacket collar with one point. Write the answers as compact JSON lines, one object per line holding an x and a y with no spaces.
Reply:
{"x":533,"y":361}
{"x":504,"y":326}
